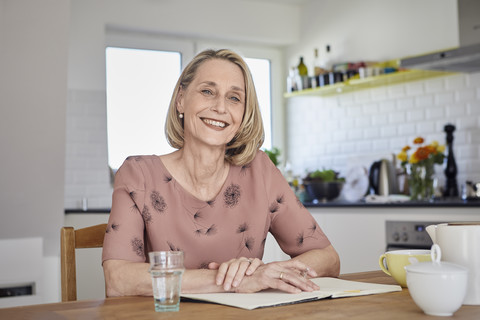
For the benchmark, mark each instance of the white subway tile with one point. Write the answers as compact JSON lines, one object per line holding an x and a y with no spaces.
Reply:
{"x":425,"y":127}
{"x":389,"y":131}
{"x":371,"y":133}
{"x":405,"y":104}
{"x":454,"y":82}
{"x":362,"y":122}
{"x":473,"y":80}
{"x":380,"y":145}
{"x":442,"y":98}
{"x":458,"y":110}
{"x":361,"y":96}
{"x":355,"y":134}
{"x":473,"y":108}
{"x":467,"y":151}
{"x":435,"y":85}
{"x":465,"y":94}
{"x":424,"y":101}
{"x":415,"y":88}
{"x":396,"y":91}
{"x":434,"y":113}
{"x":380,"y":119}
{"x":379,"y":93}
{"x":406,"y":129}
{"x":415,"y":115}
{"x":347,"y":123}
{"x":397,"y":117}
{"x":370,"y":108}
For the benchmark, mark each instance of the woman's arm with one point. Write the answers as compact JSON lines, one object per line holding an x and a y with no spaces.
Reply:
{"x":325,"y":262}
{"x":124,"y":278}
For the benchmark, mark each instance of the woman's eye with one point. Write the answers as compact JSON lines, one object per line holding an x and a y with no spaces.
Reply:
{"x":236,"y":99}
{"x":206,"y":91}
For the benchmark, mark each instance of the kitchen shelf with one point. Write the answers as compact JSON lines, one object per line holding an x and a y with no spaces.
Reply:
{"x":369,"y":82}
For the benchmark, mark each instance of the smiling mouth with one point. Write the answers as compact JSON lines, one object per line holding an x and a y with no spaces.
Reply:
{"x":215,"y":123}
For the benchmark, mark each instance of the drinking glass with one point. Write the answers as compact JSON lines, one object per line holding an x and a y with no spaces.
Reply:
{"x":166,"y":270}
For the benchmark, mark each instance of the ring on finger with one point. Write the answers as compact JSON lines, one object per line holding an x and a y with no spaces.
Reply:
{"x":281,"y":276}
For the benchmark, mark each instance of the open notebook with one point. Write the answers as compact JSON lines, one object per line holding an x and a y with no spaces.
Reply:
{"x":329,"y":288}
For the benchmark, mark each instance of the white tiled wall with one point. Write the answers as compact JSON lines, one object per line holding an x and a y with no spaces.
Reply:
{"x":87,"y":173}
{"x":330,"y":132}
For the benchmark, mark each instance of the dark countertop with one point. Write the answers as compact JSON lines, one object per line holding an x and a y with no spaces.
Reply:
{"x":455,"y":202}
{"x":452,"y":202}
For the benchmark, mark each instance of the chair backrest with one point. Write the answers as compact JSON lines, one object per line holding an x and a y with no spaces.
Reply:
{"x":71,"y":239}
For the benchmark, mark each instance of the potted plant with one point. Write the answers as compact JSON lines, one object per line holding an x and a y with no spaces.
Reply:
{"x":323,"y":185}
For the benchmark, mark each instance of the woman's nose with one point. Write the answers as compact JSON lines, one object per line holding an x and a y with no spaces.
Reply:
{"x":220,"y":105}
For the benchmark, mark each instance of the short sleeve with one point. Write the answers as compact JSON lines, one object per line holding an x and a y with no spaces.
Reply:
{"x":292,"y":225}
{"x":124,"y":238}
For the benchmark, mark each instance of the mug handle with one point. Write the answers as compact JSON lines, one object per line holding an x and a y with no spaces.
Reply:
{"x":381,"y":262}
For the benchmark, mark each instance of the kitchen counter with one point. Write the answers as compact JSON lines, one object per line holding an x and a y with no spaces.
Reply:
{"x":448,"y":203}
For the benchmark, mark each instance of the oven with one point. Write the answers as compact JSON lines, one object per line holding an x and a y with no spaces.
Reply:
{"x":407,"y":235}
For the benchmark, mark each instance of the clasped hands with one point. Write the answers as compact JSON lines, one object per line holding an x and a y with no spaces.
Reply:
{"x":245,"y":275}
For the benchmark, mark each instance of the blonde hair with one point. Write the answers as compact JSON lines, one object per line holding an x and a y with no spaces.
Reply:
{"x":242,"y":149}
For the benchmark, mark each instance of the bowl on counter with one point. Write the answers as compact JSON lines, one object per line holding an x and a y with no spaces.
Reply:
{"x":323,"y":191}
{"x":437,"y":287}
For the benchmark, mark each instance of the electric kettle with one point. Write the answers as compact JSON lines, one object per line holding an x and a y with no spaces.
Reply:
{"x":383,"y":178}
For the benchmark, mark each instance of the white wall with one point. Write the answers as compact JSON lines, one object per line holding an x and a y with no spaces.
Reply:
{"x":33,"y":95}
{"x":375,"y":30}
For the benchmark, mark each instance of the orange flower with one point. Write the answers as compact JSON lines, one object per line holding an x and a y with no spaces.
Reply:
{"x":422,"y":153}
{"x":406,"y":148}
{"x":418,"y":140}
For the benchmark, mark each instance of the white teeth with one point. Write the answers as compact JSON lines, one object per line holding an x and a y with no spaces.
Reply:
{"x":215,"y":123}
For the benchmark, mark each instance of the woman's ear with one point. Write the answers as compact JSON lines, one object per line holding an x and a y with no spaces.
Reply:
{"x":179,"y":101}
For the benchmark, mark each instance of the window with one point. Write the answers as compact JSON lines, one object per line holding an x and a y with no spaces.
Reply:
{"x":139,"y":88}
{"x":140,"y":83}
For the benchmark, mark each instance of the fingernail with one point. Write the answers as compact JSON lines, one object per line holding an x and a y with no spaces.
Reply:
{"x":235,"y":284}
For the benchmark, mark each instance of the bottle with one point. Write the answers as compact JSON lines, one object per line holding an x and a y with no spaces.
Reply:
{"x":303,"y":73}
{"x":317,"y":68}
{"x":302,"y":68}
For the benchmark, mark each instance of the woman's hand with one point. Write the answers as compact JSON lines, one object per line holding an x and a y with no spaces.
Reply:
{"x":290,"y":276}
{"x":231,"y":273}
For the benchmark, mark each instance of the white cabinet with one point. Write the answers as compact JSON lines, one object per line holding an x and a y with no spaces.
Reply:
{"x":358,"y":233}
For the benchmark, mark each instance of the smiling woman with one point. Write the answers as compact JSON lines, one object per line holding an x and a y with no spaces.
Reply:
{"x":219,"y":194}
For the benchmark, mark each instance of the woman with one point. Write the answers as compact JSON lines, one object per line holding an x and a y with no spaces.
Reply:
{"x":215,"y":198}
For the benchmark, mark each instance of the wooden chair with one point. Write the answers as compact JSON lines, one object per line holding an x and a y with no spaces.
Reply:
{"x":71,"y":239}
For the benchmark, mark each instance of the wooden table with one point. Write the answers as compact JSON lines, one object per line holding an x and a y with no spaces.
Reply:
{"x":397,"y":305}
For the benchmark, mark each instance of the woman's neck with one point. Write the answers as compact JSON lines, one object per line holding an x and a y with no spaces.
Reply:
{"x":202,"y":172}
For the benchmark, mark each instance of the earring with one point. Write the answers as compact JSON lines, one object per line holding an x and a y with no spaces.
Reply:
{"x":180,"y":115}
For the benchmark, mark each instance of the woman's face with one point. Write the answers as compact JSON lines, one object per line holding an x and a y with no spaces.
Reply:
{"x":213,"y":104}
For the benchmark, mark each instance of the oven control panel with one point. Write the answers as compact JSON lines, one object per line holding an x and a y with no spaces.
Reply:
{"x":408,"y":234}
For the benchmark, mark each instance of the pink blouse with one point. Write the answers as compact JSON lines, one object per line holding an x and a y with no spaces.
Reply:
{"x":152,"y":212}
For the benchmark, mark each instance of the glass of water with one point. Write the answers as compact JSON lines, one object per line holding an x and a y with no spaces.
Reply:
{"x":166,"y":270}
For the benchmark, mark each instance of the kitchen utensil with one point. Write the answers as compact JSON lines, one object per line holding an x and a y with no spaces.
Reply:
{"x":383,"y":179}
{"x":438,"y":288}
{"x":460,"y":243}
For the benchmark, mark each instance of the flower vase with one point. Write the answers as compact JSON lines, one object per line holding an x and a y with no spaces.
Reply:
{"x":420,"y":181}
